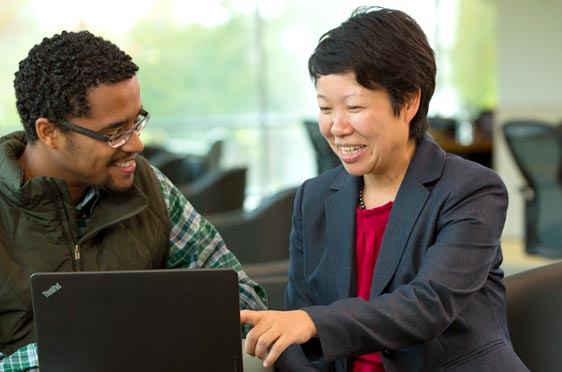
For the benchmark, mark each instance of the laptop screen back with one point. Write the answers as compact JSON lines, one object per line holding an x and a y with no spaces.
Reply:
{"x":154,"y":320}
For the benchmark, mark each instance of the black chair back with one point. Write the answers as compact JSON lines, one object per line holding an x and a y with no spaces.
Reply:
{"x":325,"y":157}
{"x":184,"y":168}
{"x":217,"y":191}
{"x":273,"y":277}
{"x":537,"y":149}
{"x":260,"y":235}
{"x":534,"y":304}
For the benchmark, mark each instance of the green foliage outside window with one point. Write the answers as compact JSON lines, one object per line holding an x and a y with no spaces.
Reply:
{"x":245,"y":76}
{"x":473,"y":56}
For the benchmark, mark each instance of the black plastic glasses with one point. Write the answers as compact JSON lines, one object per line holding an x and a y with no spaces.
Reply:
{"x":115,"y":140}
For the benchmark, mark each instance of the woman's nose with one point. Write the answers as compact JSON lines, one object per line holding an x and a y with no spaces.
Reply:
{"x":340,"y":125}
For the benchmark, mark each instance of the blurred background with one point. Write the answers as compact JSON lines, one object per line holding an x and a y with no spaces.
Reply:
{"x":234,"y":72}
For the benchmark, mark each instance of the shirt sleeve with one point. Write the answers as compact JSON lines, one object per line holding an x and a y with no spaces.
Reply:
{"x":195,"y":243}
{"x":23,"y":359}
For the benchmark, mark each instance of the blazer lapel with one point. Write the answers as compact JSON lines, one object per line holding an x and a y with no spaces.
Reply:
{"x":426,"y":166}
{"x":409,"y":202}
{"x":340,"y":223}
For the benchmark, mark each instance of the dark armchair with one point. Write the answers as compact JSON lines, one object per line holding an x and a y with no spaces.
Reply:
{"x":273,"y":277}
{"x":184,"y":168}
{"x":325,"y":157}
{"x":260,"y":240}
{"x":260,"y":235}
{"x":217,"y":191}
{"x":537,"y":150}
{"x":534,"y":304}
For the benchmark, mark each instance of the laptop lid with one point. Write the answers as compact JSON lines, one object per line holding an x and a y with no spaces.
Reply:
{"x":153,"y":320}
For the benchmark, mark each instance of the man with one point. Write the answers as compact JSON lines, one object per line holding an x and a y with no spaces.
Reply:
{"x":75,"y":195}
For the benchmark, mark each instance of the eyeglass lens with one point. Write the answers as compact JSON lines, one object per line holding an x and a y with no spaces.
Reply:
{"x":119,"y":139}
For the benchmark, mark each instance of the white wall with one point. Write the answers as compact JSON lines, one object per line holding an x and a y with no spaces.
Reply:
{"x":530,"y":82}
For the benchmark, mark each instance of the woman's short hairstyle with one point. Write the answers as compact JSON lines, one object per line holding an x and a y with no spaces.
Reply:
{"x":386,"y":49}
{"x":54,"y":79}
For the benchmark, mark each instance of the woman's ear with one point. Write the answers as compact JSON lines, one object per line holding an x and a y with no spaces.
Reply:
{"x":48,"y":132}
{"x":412,"y":105}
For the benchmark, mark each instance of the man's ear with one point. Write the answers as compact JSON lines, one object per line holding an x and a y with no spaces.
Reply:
{"x":412,"y":105}
{"x":48,"y":133}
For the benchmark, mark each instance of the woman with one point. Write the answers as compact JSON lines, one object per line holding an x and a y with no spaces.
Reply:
{"x":395,"y":257}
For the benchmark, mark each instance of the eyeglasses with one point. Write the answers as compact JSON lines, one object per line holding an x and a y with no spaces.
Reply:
{"x":115,"y":140}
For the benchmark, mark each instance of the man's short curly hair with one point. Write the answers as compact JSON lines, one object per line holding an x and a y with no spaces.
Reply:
{"x":54,"y":79}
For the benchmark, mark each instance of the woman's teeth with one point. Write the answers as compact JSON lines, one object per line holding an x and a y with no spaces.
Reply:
{"x":347,"y":150}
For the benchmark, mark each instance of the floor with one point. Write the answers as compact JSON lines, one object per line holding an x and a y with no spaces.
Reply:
{"x":516,"y":260}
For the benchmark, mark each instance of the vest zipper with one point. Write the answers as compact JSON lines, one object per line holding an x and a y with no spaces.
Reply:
{"x":77,"y":257}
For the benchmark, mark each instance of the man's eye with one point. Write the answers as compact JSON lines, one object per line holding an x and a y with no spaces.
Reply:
{"x":118,"y":133}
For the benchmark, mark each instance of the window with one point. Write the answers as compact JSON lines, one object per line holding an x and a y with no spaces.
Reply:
{"x":237,"y":69}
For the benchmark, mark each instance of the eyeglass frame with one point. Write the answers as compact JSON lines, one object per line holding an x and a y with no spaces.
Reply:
{"x":138,"y":127}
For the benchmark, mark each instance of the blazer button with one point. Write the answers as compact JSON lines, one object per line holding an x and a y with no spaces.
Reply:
{"x":390,"y":354}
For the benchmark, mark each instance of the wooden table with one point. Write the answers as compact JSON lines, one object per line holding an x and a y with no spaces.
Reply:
{"x":479,"y":150}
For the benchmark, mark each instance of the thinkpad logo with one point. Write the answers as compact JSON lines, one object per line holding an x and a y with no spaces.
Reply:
{"x":52,"y":290}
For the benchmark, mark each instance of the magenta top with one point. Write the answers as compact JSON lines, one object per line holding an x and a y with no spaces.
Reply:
{"x":371,"y":224}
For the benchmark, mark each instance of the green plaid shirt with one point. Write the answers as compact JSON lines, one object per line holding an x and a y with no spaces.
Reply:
{"x":194,"y":242}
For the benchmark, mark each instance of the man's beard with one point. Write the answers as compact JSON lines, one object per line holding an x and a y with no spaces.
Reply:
{"x":109,"y":186}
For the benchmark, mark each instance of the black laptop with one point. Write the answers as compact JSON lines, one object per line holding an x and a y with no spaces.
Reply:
{"x":154,"y":320}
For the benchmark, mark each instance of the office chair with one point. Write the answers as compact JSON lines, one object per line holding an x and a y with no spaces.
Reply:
{"x":273,"y":277}
{"x":185,"y":168}
{"x":325,"y":157}
{"x":274,"y":287}
{"x":259,"y":235}
{"x":534,"y":304}
{"x":537,"y":150}
{"x":217,"y":191}
{"x":182,"y":169}
{"x":152,"y":151}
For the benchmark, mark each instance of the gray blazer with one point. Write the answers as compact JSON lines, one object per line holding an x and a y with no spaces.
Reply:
{"x":437,"y":302}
